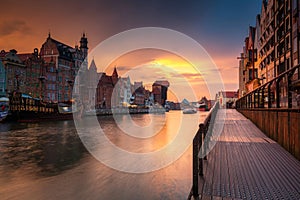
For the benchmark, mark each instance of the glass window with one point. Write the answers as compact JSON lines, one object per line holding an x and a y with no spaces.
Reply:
{"x":295,"y":41}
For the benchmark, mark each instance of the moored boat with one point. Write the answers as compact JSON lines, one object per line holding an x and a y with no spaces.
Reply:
{"x":4,"y":108}
{"x":189,"y":111}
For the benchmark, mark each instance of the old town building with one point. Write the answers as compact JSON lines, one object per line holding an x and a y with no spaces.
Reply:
{"x":67,"y":61}
{"x":92,"y":83}
{"x":124,"y":89}
{"x":276,"y":42}
{"x":247,"y":69}
{"x":2,"y":80}
{"x":160,"y":90}
{"x":104,"y":91}
{"x":35,"y":74}
{"x":15,"y":72}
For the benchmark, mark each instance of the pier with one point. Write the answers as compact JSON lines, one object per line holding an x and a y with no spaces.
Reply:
{"x":244,"y":164}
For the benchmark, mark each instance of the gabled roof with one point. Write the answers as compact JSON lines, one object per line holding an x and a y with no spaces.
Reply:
{"x":115,"y":73}
{"x":63,"y":50}
{"x":24,"y":56}
{"x":265,"y":4}
{"x":162,"y":83}
{"x":3,"y":53}
{"x":203,"y":100}
{"x":93,"y":66}
{"x":105,"y":80}
{"x":11,"y":56}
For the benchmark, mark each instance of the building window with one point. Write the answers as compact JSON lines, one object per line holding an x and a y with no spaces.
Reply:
{"x":295,"y":41}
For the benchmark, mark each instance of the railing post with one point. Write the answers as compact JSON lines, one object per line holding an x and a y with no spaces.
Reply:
{"x":289,"y":92}
{"x":195,"y":164}
{"x":262,"y":103}
{"x":269,"y":96}
{"x":197,"y":144}
{"x":200,"y":139}
{"x":278,"y":93}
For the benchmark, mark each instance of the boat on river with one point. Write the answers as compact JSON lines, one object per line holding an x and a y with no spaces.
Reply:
{"x":189,"y":111}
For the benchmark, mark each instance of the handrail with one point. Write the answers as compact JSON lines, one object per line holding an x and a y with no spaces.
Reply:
{"x":276,"y":93}
{"x":197,"y":144}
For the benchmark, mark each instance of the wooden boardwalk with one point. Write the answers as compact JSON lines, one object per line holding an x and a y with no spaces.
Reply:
{"x":245,"y":164}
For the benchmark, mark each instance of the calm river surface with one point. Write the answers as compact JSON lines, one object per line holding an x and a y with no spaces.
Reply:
{"x":48,"y":160}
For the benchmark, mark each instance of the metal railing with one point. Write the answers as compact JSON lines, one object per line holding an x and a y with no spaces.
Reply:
{"x":282,"y":91}
{"x":274,"y":108}
{"x":197,"y":144}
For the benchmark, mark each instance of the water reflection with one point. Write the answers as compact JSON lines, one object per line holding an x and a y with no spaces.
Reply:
{"x":48,"y":161}
{"x":45,"y":148}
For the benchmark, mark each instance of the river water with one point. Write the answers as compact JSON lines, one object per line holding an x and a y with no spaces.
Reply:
{"x":48,"y":160}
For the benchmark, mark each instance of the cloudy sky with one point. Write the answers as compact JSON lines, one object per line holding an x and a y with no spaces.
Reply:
{"x":219,"y":26}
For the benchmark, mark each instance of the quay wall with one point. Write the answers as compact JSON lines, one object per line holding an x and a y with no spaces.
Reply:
{"x":281,"y":125}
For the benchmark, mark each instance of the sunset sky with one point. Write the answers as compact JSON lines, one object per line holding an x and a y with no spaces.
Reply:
{"x":219,"y":26}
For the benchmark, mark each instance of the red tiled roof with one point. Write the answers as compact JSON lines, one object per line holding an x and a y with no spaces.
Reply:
{"x":162,"y":82}
{"x":24,"y":56}
{"x":230,"y":94}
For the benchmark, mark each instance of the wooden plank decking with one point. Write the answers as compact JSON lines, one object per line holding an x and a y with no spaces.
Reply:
{"x":245,"y":164}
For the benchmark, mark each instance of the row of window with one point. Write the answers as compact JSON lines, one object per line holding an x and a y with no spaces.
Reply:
{"x":51,"y":86}
{"x":51,"y":78}
{"x":52,"y":97}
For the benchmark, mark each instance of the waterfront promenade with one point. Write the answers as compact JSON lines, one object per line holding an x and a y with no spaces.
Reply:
{"x":246,"y":164}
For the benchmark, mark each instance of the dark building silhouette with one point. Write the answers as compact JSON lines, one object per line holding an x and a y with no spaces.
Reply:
{"x":160,"y":90}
